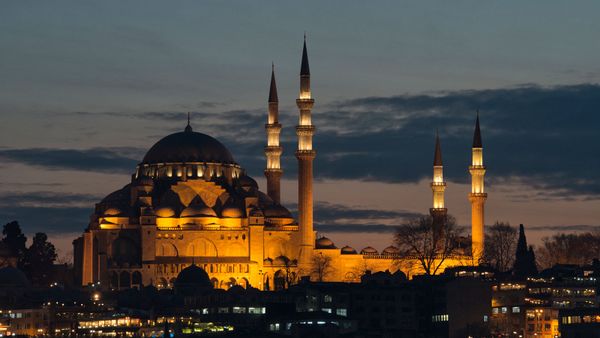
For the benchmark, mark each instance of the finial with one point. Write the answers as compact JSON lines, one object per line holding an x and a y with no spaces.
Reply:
{"x":272,"y":66}
{"x":304,"y":36}
{"x":188,"y":128}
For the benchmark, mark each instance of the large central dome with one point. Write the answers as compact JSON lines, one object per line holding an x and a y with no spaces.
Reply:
{"x":188,"y":146}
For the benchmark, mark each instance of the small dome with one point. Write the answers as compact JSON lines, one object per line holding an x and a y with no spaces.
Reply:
{"x":165,"y":212}
{"x":391,"y":250}
{"x":277,"y":211}
{"x":112,"y":212}
{"x":324,"y":243}
{"x":193,"y":276}
{"x":13,"y":278}
{"x":348,"y":250}
{"x":198,"y":211}
{"x":369,"y":251}
{"x":188,"y":146}
{"x":267,"y":261}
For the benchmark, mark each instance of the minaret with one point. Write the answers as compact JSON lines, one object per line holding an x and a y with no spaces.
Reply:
{"x":477,"y":196}
{"x":273,"y":149}
{"x":438,"y":186}
{"x":305,"y":155}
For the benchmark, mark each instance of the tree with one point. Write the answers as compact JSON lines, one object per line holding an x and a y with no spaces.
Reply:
{"x":524,"y":257}
{"x":321,"y":266}
{"x":39,"y":259}
{"x":500,"y":244}
{"x":15,"y":239}
{"x":569,"y":249}
{"x":429,"y":241}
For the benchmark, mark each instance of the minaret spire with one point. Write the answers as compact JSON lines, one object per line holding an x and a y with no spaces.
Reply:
{"x":477,"y":197}
{"x":273,"y":149}
{"x":437,"y":157}
{"x":477,"y":134}
{"x":305,"y":155}
{"x":438,"y":186}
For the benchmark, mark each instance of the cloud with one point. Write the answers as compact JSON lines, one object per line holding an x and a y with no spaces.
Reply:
{"x":46,"y":199}
{"x":543,"y":138}
{"x":564,"y":228}
{"x":356,"y":228}
{"x":112,"y":160}
{"x":331,"y":217}
{"x":47,"y":219}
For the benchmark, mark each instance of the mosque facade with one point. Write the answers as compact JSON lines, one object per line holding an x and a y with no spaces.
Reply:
{"x":190,"y":203}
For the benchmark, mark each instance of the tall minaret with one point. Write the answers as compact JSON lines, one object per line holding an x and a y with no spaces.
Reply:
{"x":305,"y":155}
{"x":273,"y":149}
{"x":477,"y":196}
{"x":438,"y":211}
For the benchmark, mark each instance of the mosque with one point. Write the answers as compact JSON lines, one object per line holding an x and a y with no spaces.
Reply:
{"x":190,"y":203}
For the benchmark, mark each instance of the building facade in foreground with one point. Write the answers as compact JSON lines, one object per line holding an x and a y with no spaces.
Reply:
{"x":189,"y":202}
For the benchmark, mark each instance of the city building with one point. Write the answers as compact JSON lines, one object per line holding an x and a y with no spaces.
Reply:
{"x":531,"y":308}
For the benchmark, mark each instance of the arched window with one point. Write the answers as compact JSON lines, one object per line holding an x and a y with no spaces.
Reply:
{"x":279,"y":280}
{"x":114,"y":280}
{"x":124,"y":280}
{"x":136,"y":278}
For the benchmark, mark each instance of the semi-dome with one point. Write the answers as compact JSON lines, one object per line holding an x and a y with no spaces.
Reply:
{"x":188,"y":146}
{"x":232,"y":209}
{"x":247,"y":182}
{"x":324,"y":243}
{"x":369,"y":251}
{"x":198,"y":211}
{"x":348,"y":250}
{"x":232,"y":212}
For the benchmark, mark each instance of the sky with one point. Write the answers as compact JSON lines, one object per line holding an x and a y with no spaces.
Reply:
{"x":86,"y":88}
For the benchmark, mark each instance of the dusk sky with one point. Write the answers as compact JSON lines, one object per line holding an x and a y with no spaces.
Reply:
{"x":87,"y":88}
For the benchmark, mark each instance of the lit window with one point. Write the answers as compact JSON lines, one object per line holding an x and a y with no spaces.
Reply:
{"x":504,"y":309}
{"x":327,"y":299}
{"x":516,"y":309}
{"x":341,"y":312}
{"x":495,"y":310}
{"x":328,"y":310}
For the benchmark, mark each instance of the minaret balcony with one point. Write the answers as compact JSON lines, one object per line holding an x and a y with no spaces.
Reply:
{"x":273,"y":127}
{"x":305,"y":130}
{"x":273,"y":151}
{"x":305,"y":103}
{"x":305,"y":154}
